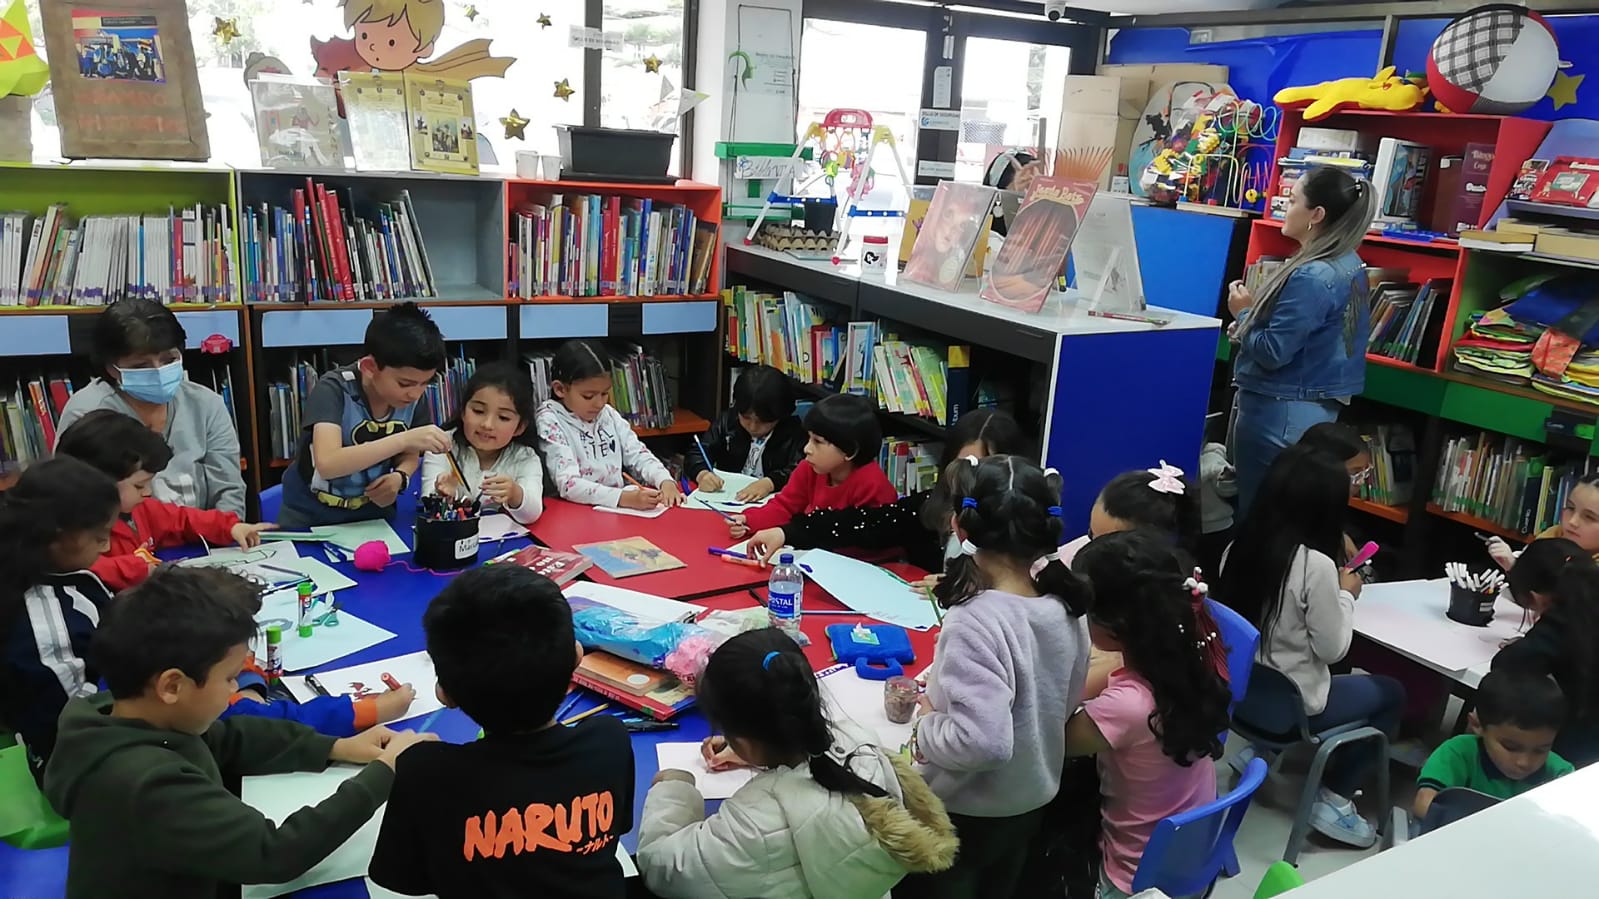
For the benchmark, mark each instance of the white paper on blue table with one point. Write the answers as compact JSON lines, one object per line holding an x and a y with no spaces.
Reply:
{"x":282,"y":609}
{"x":414,"y":668}
{"x":869,"y":589}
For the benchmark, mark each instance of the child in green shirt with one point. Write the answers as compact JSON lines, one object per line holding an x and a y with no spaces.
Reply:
{"x":1510,"y":749}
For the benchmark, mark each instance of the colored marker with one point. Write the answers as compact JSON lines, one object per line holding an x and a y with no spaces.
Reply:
{"x":704,"y":455}
{"x":733,"y":557}
{"x":313,"y":683}
{"x":718,"y":551}
{"x":1362,"y":557}
{"x":390,"y":682}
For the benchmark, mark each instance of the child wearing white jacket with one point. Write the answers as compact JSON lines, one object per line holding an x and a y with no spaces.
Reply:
{"x":486,"y":447}
{"x":831,"y":815}
{"x":589,"y":447}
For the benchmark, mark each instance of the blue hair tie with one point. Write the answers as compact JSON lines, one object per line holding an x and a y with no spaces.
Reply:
{"x":1055,"y":512}
{"x":968,"y":503}
{"x":766,"y":663}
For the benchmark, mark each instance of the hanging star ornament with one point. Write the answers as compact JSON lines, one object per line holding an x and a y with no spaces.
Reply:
{"x":544,"y":20}
{"x":514,"y":124}
{"x":1564,"y":90}
{"x":563,"y":90}
{"x":225,"y":30}
{"x":470,"y":12}
{"x":652,"y":63}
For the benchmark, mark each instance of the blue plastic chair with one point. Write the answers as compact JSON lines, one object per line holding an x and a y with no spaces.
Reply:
{"x":1188,"y":851}
{"x":1242,"y":639}
{"x":1272,"y":717}
{"x":271,"y":502}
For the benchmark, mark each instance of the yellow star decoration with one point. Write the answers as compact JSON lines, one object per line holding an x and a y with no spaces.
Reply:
{"x":1564,"y":90}
{"x":470,"y":12}
{"x":652,"y":63}
{"x":563,"y":89}
{"x":544,"y":20}
{"x":514,"y":124}
{"x":225,"y":29}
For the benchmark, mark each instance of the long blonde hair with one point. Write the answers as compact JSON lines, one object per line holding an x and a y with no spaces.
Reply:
{"x":1350,"y":204}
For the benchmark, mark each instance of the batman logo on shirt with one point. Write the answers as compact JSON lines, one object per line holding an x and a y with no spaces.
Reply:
{"x":370,"y":431}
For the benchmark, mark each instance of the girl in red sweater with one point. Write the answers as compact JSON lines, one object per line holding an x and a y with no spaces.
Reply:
{"x":840,"y":469}
{"x":123,"y":448}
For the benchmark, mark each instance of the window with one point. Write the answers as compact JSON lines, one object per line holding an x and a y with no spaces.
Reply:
{"x":849,"y":65}
{"x":635,"y":97}
{"x":1011,"y":95}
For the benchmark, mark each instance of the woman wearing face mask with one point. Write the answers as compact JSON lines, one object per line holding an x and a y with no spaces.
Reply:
{"x":137,"y":354}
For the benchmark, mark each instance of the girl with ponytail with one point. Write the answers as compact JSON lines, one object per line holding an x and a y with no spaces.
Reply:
{"x":1008,"y":672}
{"x":830,"y":815}
{"x":1154,"y":727}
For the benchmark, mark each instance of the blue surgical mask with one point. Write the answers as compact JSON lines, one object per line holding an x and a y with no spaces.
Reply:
{"x":153,"y":385}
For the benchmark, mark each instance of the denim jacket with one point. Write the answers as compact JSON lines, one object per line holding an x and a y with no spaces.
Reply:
{"x":1302,"y":352}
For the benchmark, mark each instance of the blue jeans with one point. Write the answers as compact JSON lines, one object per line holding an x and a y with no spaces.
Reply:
{"x":1375,"y":699}
{"x":1262,"y":427}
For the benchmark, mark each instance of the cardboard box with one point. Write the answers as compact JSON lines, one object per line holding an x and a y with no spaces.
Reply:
{"x":1137,"y":84}
{"x":1569,"y":244}
{"x":1079,"y":130}
{"x":1092,"y":94}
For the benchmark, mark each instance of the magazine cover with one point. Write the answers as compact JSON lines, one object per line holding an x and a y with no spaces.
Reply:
{"x":374,"y":104}
{"x":916,"y":216}
{"x":958,"y":214}
{"x":297,"y":122}
{"x":443,"y":136}
{"x":1399,"y":175}
{"x":1030,"y":261}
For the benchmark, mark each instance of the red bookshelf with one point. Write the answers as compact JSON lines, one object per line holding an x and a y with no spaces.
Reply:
{"x":1475,"y":523}
{"x":1392,"y":513}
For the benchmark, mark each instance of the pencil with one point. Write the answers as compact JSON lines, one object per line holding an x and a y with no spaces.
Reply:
{"x":581,"y":715}
{"x":632,"y":480}
{"x":704,"y":455}
{"x":455,"y":469}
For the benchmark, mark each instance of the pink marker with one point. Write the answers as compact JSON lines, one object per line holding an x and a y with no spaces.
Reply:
{"x":1360,"y":558}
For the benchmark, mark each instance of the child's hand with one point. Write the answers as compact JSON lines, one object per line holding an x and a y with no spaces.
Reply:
{"x":446,"y":485}
{"x":400,"y":741}
{"x":719,"y":756}
{"x":499,"y":488}
{"x":642,"y":499}
{"x":1500,"y":552}
{"x":671,"y":494}
{"x":1350,"y":582}
{"x":392,"y":705}
{"x":923,"y":705}
{"x":249,"y":535}
{"x":759,"y":490}
{"x":766,"y":543}
{"x":736,"y":527}
{"x":427,"y":439}
{"x":666,"y":774}
{"x":385,"y":490}
{"x":708,"y":480}
{"x":927,"y":583}
{"x":361,"y":748}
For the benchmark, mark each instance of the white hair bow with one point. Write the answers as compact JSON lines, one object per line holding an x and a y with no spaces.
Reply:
{"x":1043,"y":561}
{"x":1167,"y":479}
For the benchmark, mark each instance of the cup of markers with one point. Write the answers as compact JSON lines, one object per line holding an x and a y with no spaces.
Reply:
{"x":446,"y":532}
{"x":1472,"y":594}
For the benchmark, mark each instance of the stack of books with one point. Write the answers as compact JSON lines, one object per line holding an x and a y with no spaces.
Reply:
{"x":1401,"y":315}
{"x":1505,"y":481}
{"x":640,"y":387}
{"x":586,"y":245}
{"x":911,"y":466}
{"x":180,"y":256}
{"x":321,"y":248}
{"x":1393,"y":461}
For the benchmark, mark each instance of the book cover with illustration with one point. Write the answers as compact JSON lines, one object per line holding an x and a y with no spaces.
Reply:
{"x":1030,"y":261}
{"x":442,"y":123}
{"x":949,"y":229}
{"x":628,"y":557}
{"x":374,"y":105}
{"x":1399,"y":176}
{"x":297,"y":122}
{"x":557,"y":566}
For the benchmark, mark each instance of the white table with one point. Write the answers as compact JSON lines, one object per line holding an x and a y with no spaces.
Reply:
{"x":1543,"y":843}
{"x":1409,"y":618}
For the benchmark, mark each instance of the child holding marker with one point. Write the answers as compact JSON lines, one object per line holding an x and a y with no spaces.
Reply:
{"x":758,"y":436}
{"x":1579,"y":523}
{"x":590,"y":448}
{"x":830,"y":814}
{"x":122,"y":448}
{"x":840,"y":469}
{"x":1008,"y":673}
{"x":488,"y":456}
{"x":55,"y":522}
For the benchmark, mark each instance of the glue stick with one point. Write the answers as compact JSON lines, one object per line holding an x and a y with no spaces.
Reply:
{"x":274,"y":654}
{"x":305,"y":590}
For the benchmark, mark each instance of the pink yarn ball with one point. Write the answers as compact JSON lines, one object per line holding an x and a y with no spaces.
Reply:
{"x":372,"y":555}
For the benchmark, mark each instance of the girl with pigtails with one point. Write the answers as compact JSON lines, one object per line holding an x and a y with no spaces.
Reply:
{"x":1008,"y":673}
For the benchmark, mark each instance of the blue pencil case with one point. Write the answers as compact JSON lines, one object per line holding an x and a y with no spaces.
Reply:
{"x":879,"y":653}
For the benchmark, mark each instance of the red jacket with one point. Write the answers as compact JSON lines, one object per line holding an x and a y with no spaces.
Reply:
{"x":808,"y":491}
{"x":157,"y":525}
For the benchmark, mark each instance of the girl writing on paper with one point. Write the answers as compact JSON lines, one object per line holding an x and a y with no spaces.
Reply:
{"x":1302,"y":340}
{"x":488,"y":451}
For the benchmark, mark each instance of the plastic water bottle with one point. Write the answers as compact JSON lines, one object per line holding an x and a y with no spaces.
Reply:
{"x":783,"y":591}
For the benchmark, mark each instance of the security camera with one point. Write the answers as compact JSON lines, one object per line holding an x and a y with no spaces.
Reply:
{"x":1054,"y":9}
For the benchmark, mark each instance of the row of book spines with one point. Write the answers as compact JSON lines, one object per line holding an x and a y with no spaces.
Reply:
{"x":1406,"y":344}
{"x":769,"y":329}
{"x":1480,"y":477}
{"x":55,"y":251}
{"x":31,"y":416}
{"x":608,"y":247}
{"x":640,"y":392}
{"x":910,"y":465}
{"x":304,"y":251}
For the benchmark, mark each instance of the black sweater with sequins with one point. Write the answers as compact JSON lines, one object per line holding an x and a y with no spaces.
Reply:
{"x":897,"y":525}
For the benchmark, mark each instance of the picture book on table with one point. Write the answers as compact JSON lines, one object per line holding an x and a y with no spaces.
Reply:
{"x":1035,"y":248}
{"x":557,"y":566}
{"x":957,"y":218}
{"x":374,"y":105}
{"x":656,"y":693}
{"x":628,"y":557}
{"x":443,"y":127}
{"x":297,"y":122}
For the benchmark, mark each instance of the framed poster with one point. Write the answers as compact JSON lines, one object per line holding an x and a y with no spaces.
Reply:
{"x":124,"y":81}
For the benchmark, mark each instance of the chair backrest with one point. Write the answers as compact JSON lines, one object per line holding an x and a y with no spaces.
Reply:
{"x":1272,"y":706}
{"x":1241,"y":639}
{"x":1187,"y":850}
{"x":1453,"y":804}
{"x":271,"y":502}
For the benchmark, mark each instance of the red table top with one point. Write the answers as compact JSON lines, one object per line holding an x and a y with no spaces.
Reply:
{"x":684,"y":532}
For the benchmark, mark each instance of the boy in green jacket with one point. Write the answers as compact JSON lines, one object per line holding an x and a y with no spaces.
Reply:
{"x":140,"y":774}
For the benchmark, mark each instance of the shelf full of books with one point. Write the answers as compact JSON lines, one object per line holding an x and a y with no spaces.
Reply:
{"x":1517,"y":487}
{"x":642,"y":389}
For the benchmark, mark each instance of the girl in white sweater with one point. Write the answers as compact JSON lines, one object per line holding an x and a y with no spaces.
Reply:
{"x":488,"y":447}
{"x":830,"y":815}
{"x":1285,"y":574}
{"x":589,"y":446}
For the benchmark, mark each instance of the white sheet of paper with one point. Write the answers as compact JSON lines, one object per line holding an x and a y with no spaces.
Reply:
{"x":848,"y":695}
{"x":268,"y":562}
{"x":869,"y":589}
{"x":724,"y":500}
{"x":280,"y":553}
{"x":278,"y":796}
{"x":656,"y":512}
{"x":642,"y":605}
{"x":498,"y":526}
{"x":711,"y":784}
{"x":415,"y":669}
{"x":349,"y":536}
{"x":325,"y":643}
{"x":1409,"y":617}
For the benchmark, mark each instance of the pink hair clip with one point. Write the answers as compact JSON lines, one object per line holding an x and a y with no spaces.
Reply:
{"x":1167,"y":479}
{"x":1196,"y":586}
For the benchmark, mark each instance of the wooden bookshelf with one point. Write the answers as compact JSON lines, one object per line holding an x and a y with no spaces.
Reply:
{"x":683,"y":422}
{"x":1397,"y":514}
{"x":1477,"y":524}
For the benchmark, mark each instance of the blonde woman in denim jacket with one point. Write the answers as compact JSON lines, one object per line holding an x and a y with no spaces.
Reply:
{"x":1302,"y":342}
